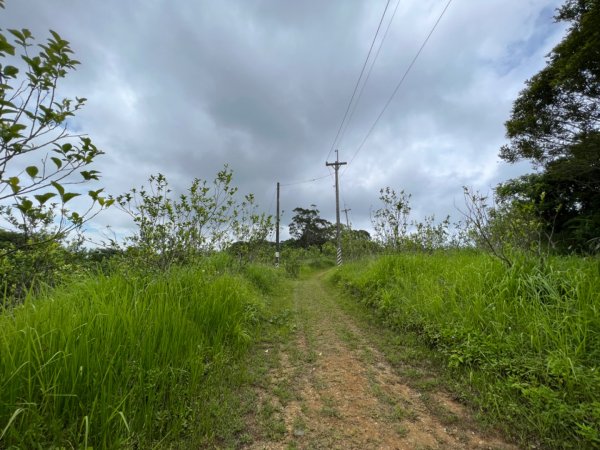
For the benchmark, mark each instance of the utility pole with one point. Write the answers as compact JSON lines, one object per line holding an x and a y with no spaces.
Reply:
{"x":336,"y":165}
{"x":346,"y":210}
{"x":277,"y":231}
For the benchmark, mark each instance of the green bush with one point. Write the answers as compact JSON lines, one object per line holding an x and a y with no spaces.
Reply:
{"x":28,"y":269}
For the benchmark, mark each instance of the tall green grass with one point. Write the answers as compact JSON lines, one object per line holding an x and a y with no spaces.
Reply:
{"x":117,"y":361}
{"x":525,"y":339}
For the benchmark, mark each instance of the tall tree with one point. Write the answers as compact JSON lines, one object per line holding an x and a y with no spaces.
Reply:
{"x":555,"y":124}
{"x":309,"y":229}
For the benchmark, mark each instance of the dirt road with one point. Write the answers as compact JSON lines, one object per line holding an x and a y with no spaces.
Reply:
{"x":331,"y":387}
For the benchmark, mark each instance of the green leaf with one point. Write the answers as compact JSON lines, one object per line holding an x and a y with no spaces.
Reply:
{"x":10,"y":71}
{"x":14,"y":184}
{"x":94,"y":194}
{"x":14,"y":131}
{"x":56,"y":36}
{"x":68,"y":196}
{"x":76,"y":218}
{"x":18,"y":34}
{"x":6,"y":47}
{"x":25,"y":205}
{"x":57,"y":161}
{"x":43,"y":198}
{"x":90,"y":174}
{"x":32,"y":171}
{"x":58,"y":187}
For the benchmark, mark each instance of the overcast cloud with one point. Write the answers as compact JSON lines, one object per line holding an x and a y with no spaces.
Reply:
{"x":183,"y":87}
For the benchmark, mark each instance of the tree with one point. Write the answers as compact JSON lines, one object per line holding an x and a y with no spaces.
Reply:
{"x":428,"y":235}
{"x":357,"y":244}
{"x":175,"y":229}
{"x":309,"y":229}
{"x":391,"y":220}
{"x":39,"y":155}
{"x":555,"y":124}
{"x":251,"y":229}
{"x":498,"y":226}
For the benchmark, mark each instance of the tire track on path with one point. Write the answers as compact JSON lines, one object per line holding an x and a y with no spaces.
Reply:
{"x":333,"y":389}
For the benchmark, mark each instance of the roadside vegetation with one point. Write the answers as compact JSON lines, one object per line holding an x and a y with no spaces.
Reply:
{"x":128,"y":361}
{"x":155,"y":340}
{"x":523,"y":342}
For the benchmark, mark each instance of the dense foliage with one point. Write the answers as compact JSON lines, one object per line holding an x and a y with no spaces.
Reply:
{"x":555,"y":124}
{"x":308,"y":228}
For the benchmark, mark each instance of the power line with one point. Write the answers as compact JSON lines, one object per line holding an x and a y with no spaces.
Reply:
{"x":360,"y":93}
{"x":306,"y":181}
{"x":358,"y":81}
{"x":410,"y":66}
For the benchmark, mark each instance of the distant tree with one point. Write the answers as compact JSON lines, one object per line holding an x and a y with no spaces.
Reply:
{"x":358,"y":235}
{"x":555,"y":124}
{"x":12,"y":238}
{"x":357,"y":244}
{"x":390,"y":221}
{"x":309,"y":229}
{"x":429,"y":235}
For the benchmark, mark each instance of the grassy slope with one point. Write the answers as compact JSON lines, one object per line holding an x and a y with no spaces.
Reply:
{"x":525,"y":341}
{"x":116,"y":361}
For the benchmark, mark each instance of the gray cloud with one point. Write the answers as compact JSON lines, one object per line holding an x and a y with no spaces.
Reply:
{"x":183,"y":87}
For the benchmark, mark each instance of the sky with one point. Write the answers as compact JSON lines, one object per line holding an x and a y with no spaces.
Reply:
{"x":183,"y":87}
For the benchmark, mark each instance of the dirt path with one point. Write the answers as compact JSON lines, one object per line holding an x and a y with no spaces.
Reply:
{"x":330,"y":387}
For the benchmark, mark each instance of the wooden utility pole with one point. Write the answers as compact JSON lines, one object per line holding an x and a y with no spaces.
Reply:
{"x":336,"y":165}
{"x":277,"y":231}
{"x":346,"y":210}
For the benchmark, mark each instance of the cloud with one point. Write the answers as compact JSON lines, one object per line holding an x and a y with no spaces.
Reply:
{"x":183,"y":88}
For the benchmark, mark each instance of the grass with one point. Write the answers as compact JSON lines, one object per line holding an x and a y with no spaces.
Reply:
{"x":523,"y":343}
{"x":121,"y":361}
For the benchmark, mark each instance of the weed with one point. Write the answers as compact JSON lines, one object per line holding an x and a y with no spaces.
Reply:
{"x":114,"y":361}
{"x":522,"y":342}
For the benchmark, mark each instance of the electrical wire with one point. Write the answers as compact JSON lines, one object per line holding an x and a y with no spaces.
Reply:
{"x":358,"y":81}
{"x":410,"y":66}
{"x":294,"y":183}
{"x":362,"y":89}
